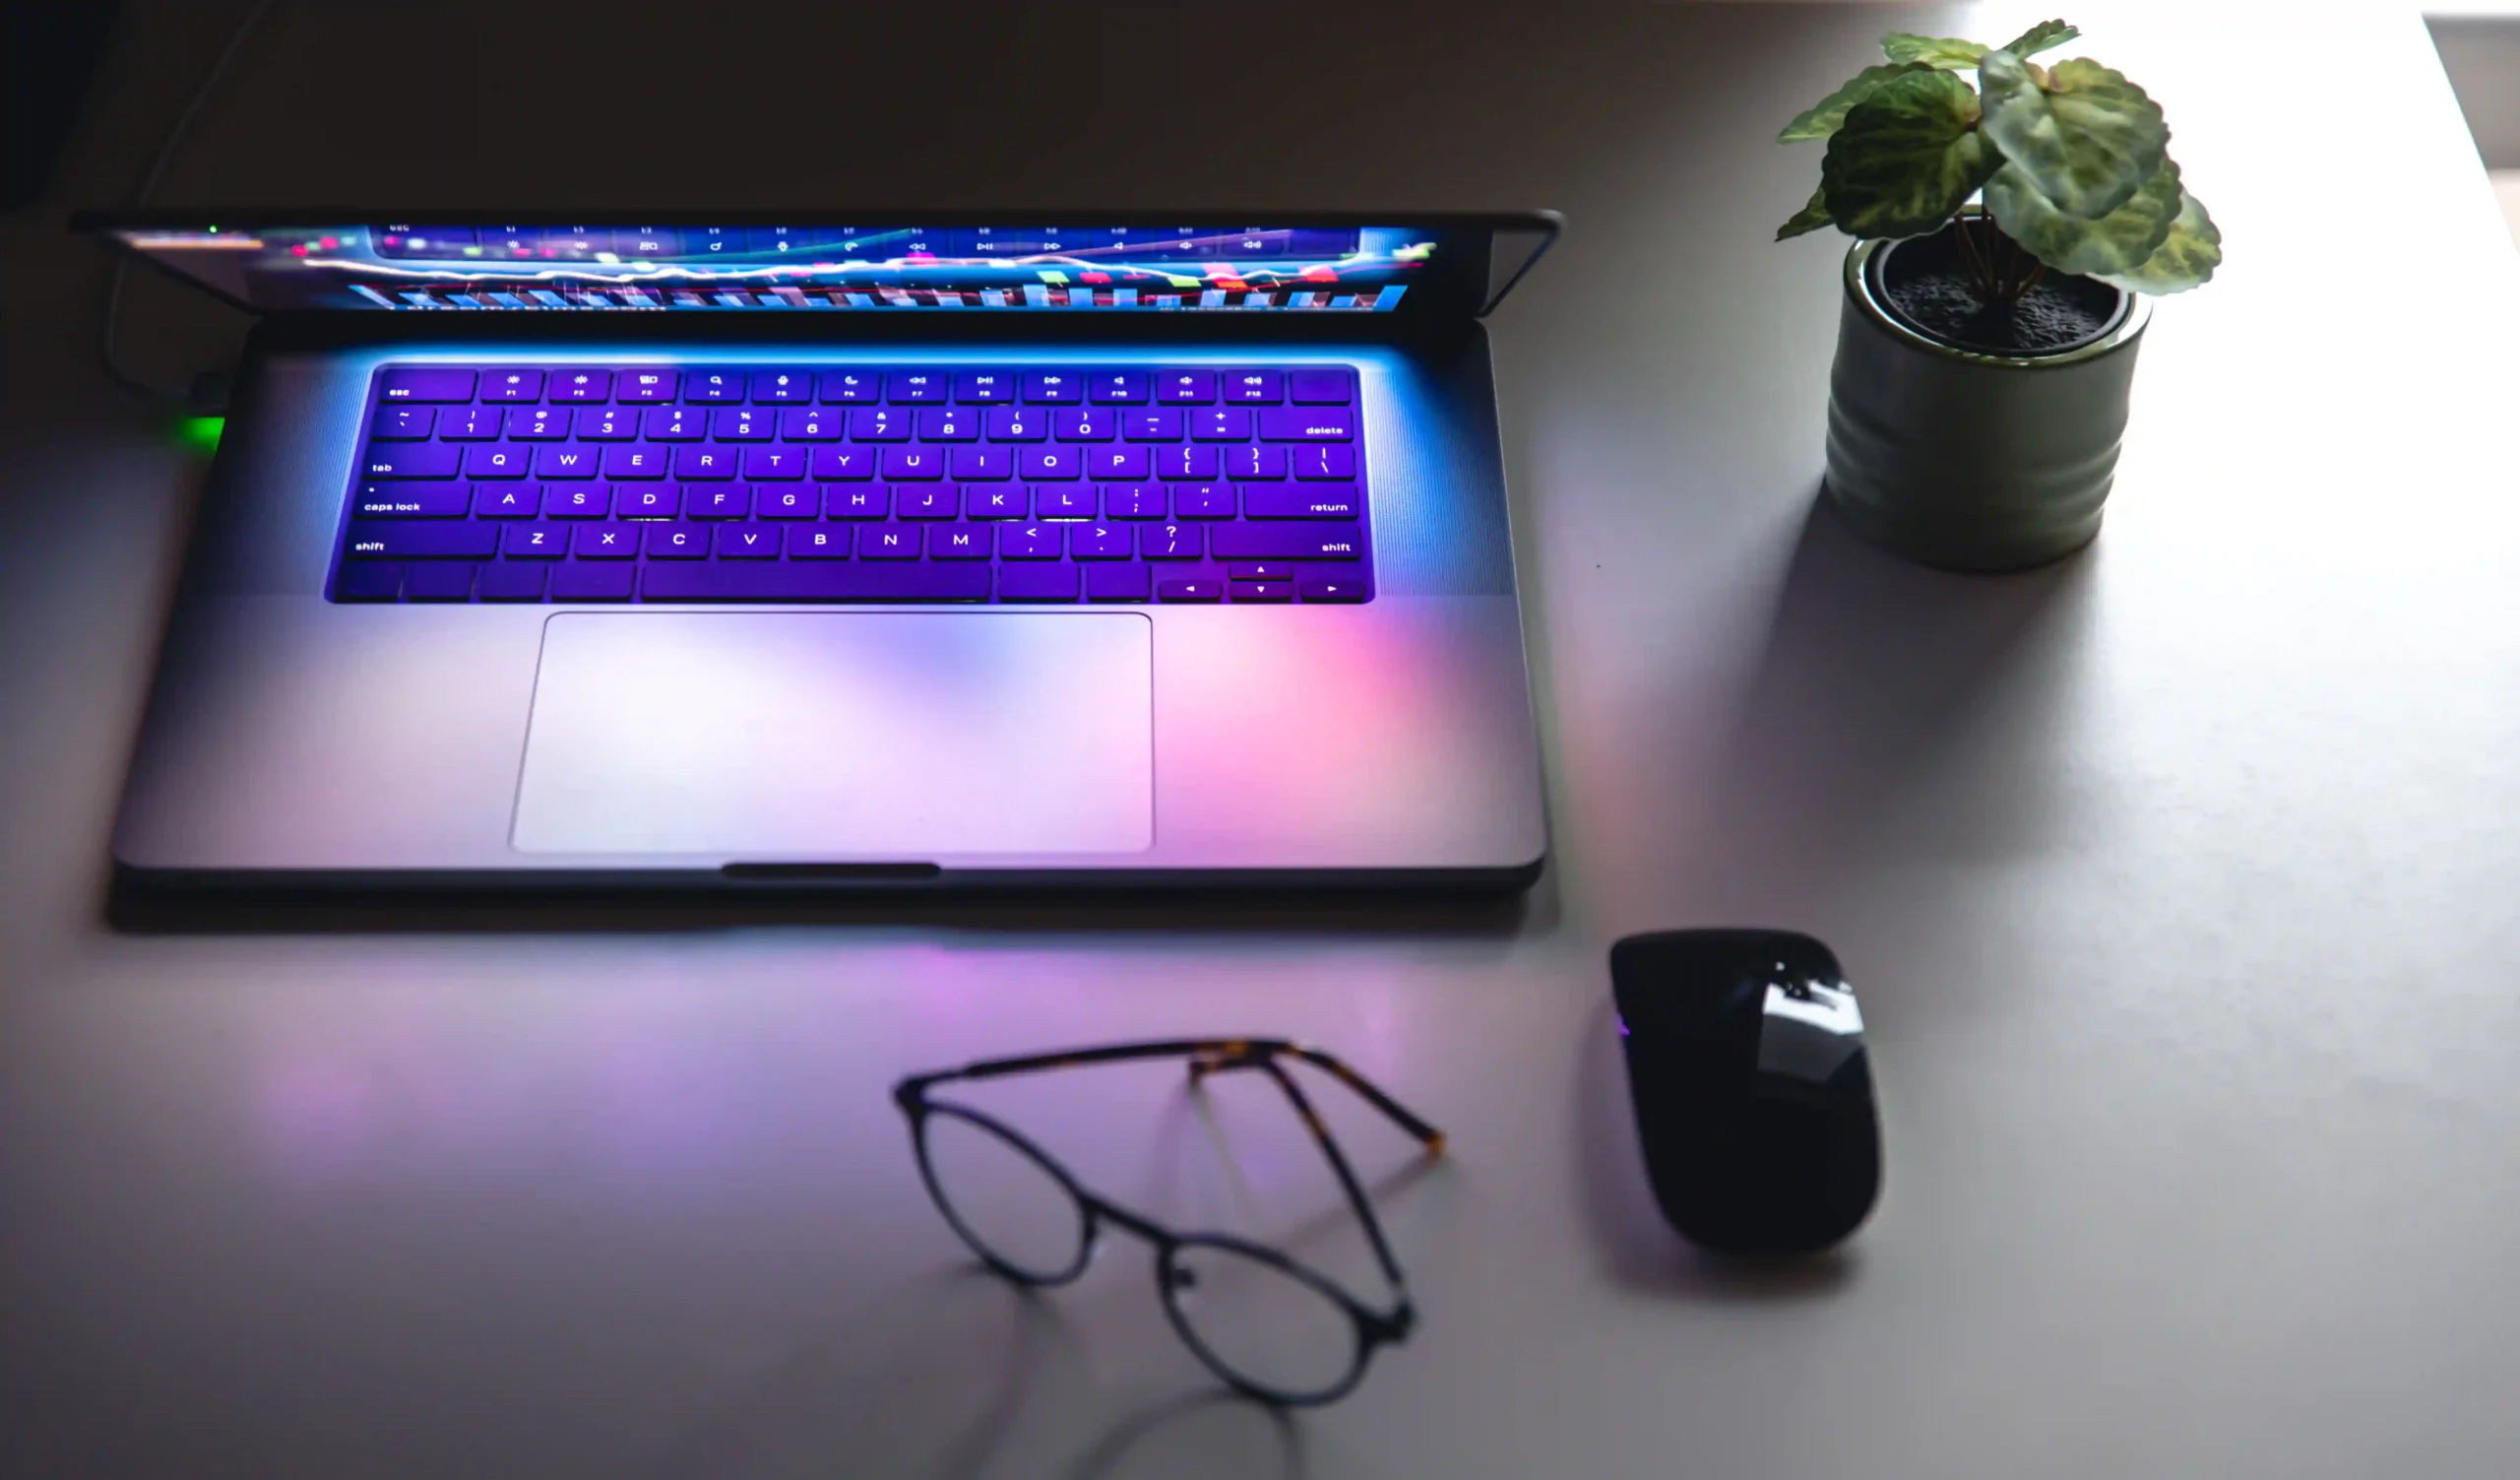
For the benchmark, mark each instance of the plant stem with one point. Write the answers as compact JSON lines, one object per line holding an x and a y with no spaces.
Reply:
{"x":1981,"y":272}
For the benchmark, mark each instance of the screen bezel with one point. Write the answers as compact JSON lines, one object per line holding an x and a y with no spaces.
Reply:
{"x":1463,"y":283}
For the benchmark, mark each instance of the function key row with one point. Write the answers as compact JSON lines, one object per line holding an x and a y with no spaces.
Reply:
{"x":863,"y":423}
{"x":640,"y":385}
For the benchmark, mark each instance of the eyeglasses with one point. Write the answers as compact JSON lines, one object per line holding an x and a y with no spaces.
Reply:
{"x":1270,"y":1326}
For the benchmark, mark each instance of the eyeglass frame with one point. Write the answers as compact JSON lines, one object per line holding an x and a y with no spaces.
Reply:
{"x":1207,"y":1055}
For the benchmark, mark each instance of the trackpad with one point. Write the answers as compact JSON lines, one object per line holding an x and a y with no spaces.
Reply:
{"x":841,"y":736}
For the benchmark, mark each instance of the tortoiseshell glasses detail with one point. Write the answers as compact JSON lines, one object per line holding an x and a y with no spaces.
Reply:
{"x":1270,"y":1326}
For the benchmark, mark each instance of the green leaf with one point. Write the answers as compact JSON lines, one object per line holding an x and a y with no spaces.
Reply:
{"x":1811,"y":217}
{"x":1908,"y":157}
{"x":2117,"y":242}
{"x":2185,"y":260}
{"x":2040,"y":37}
{"x":1824,"y":117}
{"x":1949,"y":53}
{"x":2088,"y":138}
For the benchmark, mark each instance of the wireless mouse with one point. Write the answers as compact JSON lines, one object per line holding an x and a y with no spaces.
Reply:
{"x":1753,"y":1097}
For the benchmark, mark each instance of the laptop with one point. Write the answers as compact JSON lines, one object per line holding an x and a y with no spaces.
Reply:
{"x":779,"y":553}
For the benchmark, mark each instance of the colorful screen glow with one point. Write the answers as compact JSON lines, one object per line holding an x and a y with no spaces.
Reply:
{"x":421,"y":265}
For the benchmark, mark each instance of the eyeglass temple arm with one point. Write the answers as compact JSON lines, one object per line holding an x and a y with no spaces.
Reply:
{"x":1347,"y":1175}
{"x":1171,"y":1048}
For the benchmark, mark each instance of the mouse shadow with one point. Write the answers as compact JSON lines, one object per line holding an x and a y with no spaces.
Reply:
{"x":1639,"y":1250}
{"x":1896,"y":714}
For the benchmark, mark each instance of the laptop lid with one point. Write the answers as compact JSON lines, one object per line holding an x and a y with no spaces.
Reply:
{"x":1420,"y":266}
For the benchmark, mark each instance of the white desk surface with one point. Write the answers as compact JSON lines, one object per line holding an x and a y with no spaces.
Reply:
{"x":2179,"y":879}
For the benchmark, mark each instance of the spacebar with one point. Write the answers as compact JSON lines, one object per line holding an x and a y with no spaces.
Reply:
{"x":817,"y":581}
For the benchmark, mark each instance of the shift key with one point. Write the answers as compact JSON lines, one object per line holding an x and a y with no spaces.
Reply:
{"x":1286,"y":542}
{"x":398,"y":540}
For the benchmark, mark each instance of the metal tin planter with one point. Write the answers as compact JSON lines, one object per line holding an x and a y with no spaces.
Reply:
{"x":1965,"y":460}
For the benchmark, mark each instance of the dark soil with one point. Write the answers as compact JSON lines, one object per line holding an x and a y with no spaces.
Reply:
{"x":1926,"y":283}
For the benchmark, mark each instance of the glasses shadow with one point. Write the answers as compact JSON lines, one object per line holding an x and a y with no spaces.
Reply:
{"x":1174,"y":1438}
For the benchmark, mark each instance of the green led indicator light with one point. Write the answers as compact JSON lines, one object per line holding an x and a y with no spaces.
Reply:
{"x":200,"y":434}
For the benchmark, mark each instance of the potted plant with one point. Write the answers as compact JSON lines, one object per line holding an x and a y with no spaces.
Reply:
{"x":2006,"y":236}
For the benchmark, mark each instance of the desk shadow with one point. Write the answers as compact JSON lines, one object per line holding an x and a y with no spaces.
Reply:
{"x":1642,"y":1251}
{"x":141,"y":910}
{"x":1893,"y":706}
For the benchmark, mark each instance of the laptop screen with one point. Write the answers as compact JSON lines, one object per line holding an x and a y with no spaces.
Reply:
{"x":437,"y":263}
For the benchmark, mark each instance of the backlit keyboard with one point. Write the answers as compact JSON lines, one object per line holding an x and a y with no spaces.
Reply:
{"x":763,"y":483}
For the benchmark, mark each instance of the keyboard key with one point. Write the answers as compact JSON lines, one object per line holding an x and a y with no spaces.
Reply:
{"x":505,"y":500}
{"x":981,"y":463}
{"x":1085,"y":424}
{"x":857,"y":502}
{"x":1258,"y":387}
{"x":1169,"y":542}
{"x":851,"y":387}
{"x":469,"y":423}
{"x":817,"y":581}
{"x":414,"y":460}
{"x":887,"y":541}
{"x":741,"y":424}
{"x":579,"y":582}
{"x":497,"y":460}
{"x":1186,"y":387}
{"x":1317,"y":387}
{"x":984,"y":387}
{"x":712,"y":386}
{"x":648,"y":501}
{"x":1288,"y":542}
{"x":1116,"y":583}
{"x":1308,"y":424}
{"x":1334,"y":591}
{"x":948,"y":424}
{"x":1300,"y":501}
{"x":673,"y":423}
{"x":958,"y":541}
{"x":750,"y":541}
{"x":1098,"y":541}
{"x":1132,"y":500}
{"x":703,"y":460}
{"x":1190,"y":591}
{"x":678,"y":542}
{"x":609,"y":423}
{"x":878,"y":424}
{"x":1118,"y":387}
{"x":1221,"y":423}
{"x":607,"y":541}
{"x":421,"y":539}
{"x":411,"y":384}
{"x":918,"y":387}
{"x":538,"y":423}
{"x":1202,"y":501}
{"x":637,"y":460}
{"x":717,"y":501}
{"x":513,"y":581}
{"x":784,"y":501}
{"x":581,"y":385}
{"x":809,"y":423}
{"x":1017,"y":424}
{"x":1159,"y":424}
{"x":1043,"y":464}
{"x":1191,"y":464}
{"x":1260,"y":570}
{"x":562,"y":460}
{"x":1247,"y":462}
{"x":817,"y":545}
{"x":1334,"y":460}
{"x":1262,"y":590}
{"x":534,"y":541}
{"x":774,"y":463}
{"x":1053,"y":387}
{"x":924,"y":501}
{"x":403,"y":423}
{"x":1120,"y":464}
{"x":439,"y":581}
{"x":576,"y":501}
{"x":913,"y":462}
{"x":1029,"y":541}
{"x":512,"y":385}
{"x":782,"y":387}
{"x":1055,"y":502}
{"x":369,"y":581}
{"x":1004,"y":501}
{"x":412,"y":500}
{"x":1036,"y":583}
{"x":842,"y":463}
{"x":645,"y":387}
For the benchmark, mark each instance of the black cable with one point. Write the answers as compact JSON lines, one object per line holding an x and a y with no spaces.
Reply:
{"x":149,"y":188}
